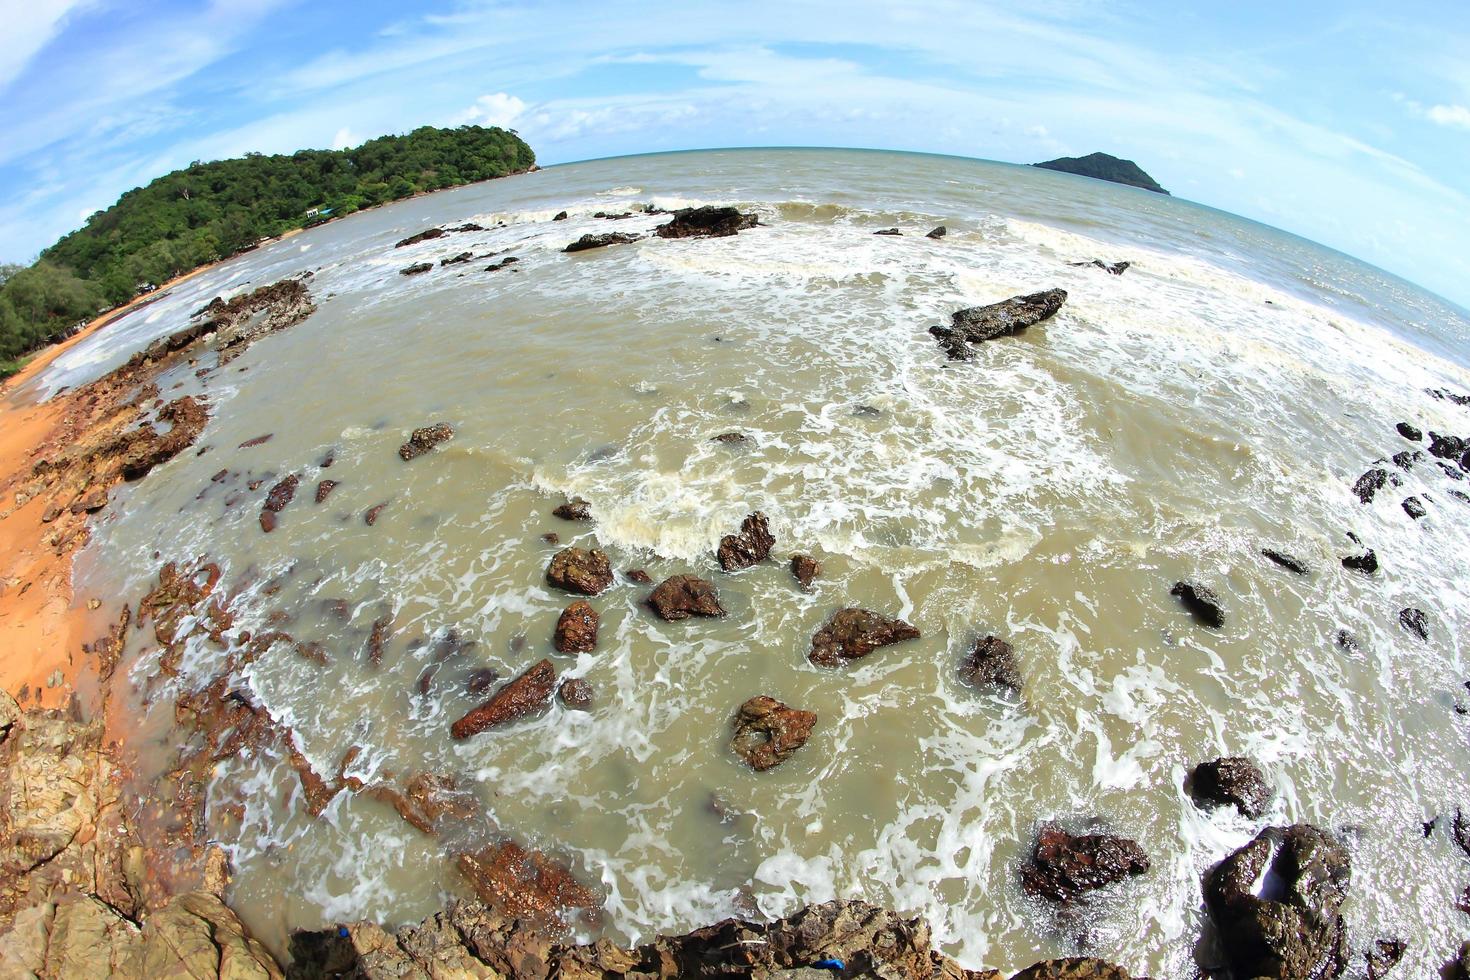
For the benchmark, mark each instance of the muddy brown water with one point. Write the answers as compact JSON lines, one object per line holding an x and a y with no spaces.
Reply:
{"x":1219,"y":397}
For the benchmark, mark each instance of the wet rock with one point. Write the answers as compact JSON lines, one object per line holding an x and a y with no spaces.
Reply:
{"x":1415,"y":622}
{"x":1112,"y":268}
{"x":378,"y":638}
{"x":146,"y":449}
{"x":1202,"y":603}
{"x":1406,"y":459}
{"x":576,"y":630}
{"x":371,"y":517}
{"x":600,"y":241}
{"x":1414,"y":507}
{"x":1409,"y":432}
{"x":575,"y":509}
{"x":1453,"y":472}
{"x":892,"y":232}
{"x":1444,"y":394}
{"x":282,"y":493}
{"x":1294,"y":928}
{"x":267,"y":521}
{"x":1447,"y":447}
{"x":416,"y":269}
{"x":767,"y":732}
{"x":423,"y":439}
{"x":937,"y":232}
{"x":1231,"y":781}
{"x":324,"y":489}
{"x":551,"y":537}
{"x":422,"y":236}
{"x":459,"y":259}
{"x":682,"y":596}
{"x":1074,"y":968}
{"x":1289,"y":562}
{"x":991,"y":663}
{"x":528,"y":693}
{"x":524,"y":884}
{"x":497,"y":266}
{"x":1063,"y":866}
{"x":580,"y":570}
{"x":471,"y":226}
{"x":638,"y":575}
{"x":560,"y":216}
{"x":576,"y":694}
{"x":90,"y":502}
{"x":1369,"y":484}
{"x":731,"y":438}
{"x":1367,"y":562}
{"x":981,"y":323}
{"x":706,"y":222}
{"x":805,"y":569}
{"x":854,"y":633}
{"x":1383,"y":956}
{"x":751,"y":546}
{"x":480,"y":679}
{"x":428,"y":801}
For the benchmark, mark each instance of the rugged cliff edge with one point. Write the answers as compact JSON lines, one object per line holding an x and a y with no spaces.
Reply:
{"x":1104,"y":167}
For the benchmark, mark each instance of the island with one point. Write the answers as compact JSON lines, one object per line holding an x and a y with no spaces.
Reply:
{"x":1104,"y":167}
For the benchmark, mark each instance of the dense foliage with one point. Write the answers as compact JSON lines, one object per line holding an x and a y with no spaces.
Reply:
{"x":1104,"y":166}
{"x":210,"y":211}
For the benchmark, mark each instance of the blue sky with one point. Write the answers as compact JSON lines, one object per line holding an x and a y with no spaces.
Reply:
{"x":1346,"y":122}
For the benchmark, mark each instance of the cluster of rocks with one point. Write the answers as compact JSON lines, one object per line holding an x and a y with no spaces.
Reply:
{"x":977,"y":324}
{"x":707,"y":221}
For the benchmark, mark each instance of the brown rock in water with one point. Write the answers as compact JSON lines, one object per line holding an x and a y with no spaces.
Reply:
{"x":1202,"y":603}
{"x":854,"y":633}
{"x":806,"y":569}
{"x":991,"y":663}
{"x":731,"y":438}
{"x":282,"y":493}
{"x":980,"y":323}
{"x":551,"y":537}
{"x":257,"y":441}
{"x":267,"y":521}
{"x":576,"y":630}
{"x":706,"y":222}
{"x":576,"y":694}
{"x":751,"y":546}
{"x":600,"y":241}
{"x":1231,"y":781}
{"x":580,"y":570}
{"x":422,"y":236}
{"x":428,"y":799}
{"x":937,"y":233}
{"x":767,"y":732}
{"x":892,"y":232}
{"x":1289,"y":562}
{"x":575,"y":509}
{"x":324,"y":490}
{"x":371,"y":517}
{"x":1063,"y":867}
{"x":524,"y":884}
{"x":638,"y":575}
{"x":424,"y":439}
{"x":378,"y":637}
{"x":1383,"y":956}
{"x":528,"y":693}
{"x":682,"y":596}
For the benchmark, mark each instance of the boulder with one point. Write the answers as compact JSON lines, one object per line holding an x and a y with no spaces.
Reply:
{"x":459,"y":259}
{"x":417,"y":268}
{"x":282,"y":493}
{"x":1414,"y":507}
{"x":751,"y":546}
{"x":1370,"y":483}
{"x":706,"y":222}
{"x":1367,"y":562}
{"x":991,"y":663}
{"x":638,"y":575}
{"x":196,"y":935}
{"x":580,"y":570}
{"x":576,"y":694}
{"x":1293,"y":928}
{"x":324,"y":490}
{"x":767,"y":732}
{"x":731,"y":438}
{"x":682,"y":596}
{"x":1447,"y":447}
{"x":937,"y":233}
{"x":559,"y":216}
{"x":805,"y":569}
{"x":980,"y":323}
{"x":1231,"y":781}
{"x":371,"y":515}
{"x":1415,"y":622}
{"x":1383,"y":956}
{"x":600,"y":241}
{"x":576,"y":630}
{"x":528,"y":693}
{"x":422,"y":236}
{"x":423,"y":439}
{"x":524,"y":884}
{"x":854,"y":633}
{"x":1405,"y":460}
{"x":1064,"y":867}
{"x":1202,"y":603}
{"x":1289,"y":562}
{"x":575,"y":509}
{"x":1409,"y":432}
{"x":892,"y":232}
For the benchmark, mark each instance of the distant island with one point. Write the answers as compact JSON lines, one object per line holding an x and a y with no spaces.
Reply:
{"x":211,"y":211}
{"x":1104,"y":167}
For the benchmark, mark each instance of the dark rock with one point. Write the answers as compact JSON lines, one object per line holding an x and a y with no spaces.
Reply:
{"x":282,"y":493}
{"x":1406,"y":459}
{"x":1063,"y":867}
{"x":1415,"y":622}
{"x":1231,"y":781}
{"x":1289,"y":562}
{"x":1202,"y":602}
{"x":497,"y":266}
{"x":528,"y":693}
{"x":991,"y":663}
{"x":257,"y":441}
{"x":730,"y":437}
{"x":1383,"y":956}
{"x":1409,"y":432}
{"x":1294,"y":927}
{"x":767,"y":732}
{"x":580,"y":570}
{"x":952,"y":344}
{"x":480,"y":679}
{"x":576,"y":694}
{"x":1370,"y":483}
{"x":575,"y":509}
{"x":1414,"y":507}
{"x":371,"y":517}
{"x":600,"y":241}
{"x":1453,"y":472}
{"x":638,"y":575}
{"x":806,"y":569}
{"x":459,"y":259}
{"x":560,"y":216}
{"x":1447,"y":447}
{"x":683,"y":596}
{"x":981,"y":323}
{"x":422,"y":236}
{"x":1367,"y":562}
{"x":416,"y":269}
{"x":267,"y":521}
{"x":610,"y":216}
{"x":378,"y":637}
{"x":1444,"y":394}
{"x":854,"y":633}
{"x":1112,"y":268}
{"x":324,"y":490}
{"x":751,"y":546}
{"x":706,"y":222}
{"x":90,"y":502}
{"x":576,"y":630}
{"x":889,"y":231}
{"x":470,"y":226}
{"x":937,"y":233}
{"x":551,"y":537}
{"x":1347,"y":641}
{"x":424,"y":439}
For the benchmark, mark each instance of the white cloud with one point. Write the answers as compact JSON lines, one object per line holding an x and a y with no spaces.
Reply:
{"x":29,"y":27}
{"x":345,"y":138}
{"x":500,"y":109}
{"x":1449,"y":115}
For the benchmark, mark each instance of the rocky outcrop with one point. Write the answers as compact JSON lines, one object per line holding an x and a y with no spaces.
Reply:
{"x":706,"y":222}
{"x":576,"y":629}
{"x":805,"y":569}
{"x":1415,"y":622}
{"x":854,"y":633}
{"x":682,"y":596}
{"x":1231,"y":781}
{"x":524,"y":884}
{"x":937,"y":232}
{"x":1105,"y":166}
{"x":1074,"y":968}
{"x":1287,"y":561}
{"x":1202,"y":603}
{"x":422,"y":236}
{"x":1369,"y":484}
{"x":600,"y":241}
{"x":981,"y":323}
{"x":991,"y":664}
{"x":1295,"y":928}
{"x":1447,"y":447}
{"x":423,"y":439}
{"x":1409,"y":431}
{"x":750,"y":547}
{"x":418,"y":268}
{"x":1064,"y":867}
{"x":767,"y":732}
{"x":580,"y":570}
{"x":1414,"y":507}
{"x":1367,"y":562}
{"x":525,"y":695}
{"x":575,"y":509}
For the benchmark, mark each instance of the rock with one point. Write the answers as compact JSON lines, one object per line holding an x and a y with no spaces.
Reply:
{"x":196,"y":935}
{"x":991,"y":663}
{"x":1202,"y":602}
{"x":1367,"y":562}
{"x":1459,"y":968}
{"x":528,"y":693}
{"x":1406,"y":459}
{"x":706,"y":222}
{"x":682,"y":596}
{"x":1294,"y":928}
{"x":638,"y":575}
{"x":371,"y":517}
{"x":1074,"y":968}
{"x":1286,"y":561}
{"x":1414,"y":507}
{"x":576,"y":630}
{"x":282,"y":493}
{"x":497,"y":266}
{"x":422,"y":236}
{"x":551,"y":537}
{"x":952,"y":344}
{"x":90,"y":502}
{"x":981,"y":323}
{"x":524,"y":884}
{"x":324,"y":490}
{"x":1383,"y":956}
{"x":560,"y":216}
{"x":937,"y":233}
{"x":1347,"y":641}
{"x":1370,"y":483}
{"x":576,"y":694}
{"x":894,"y":232}
{"x":854,"y":633}
{"x":1447,"y":447}
{"x":424,"y":439}
{"x":805,"y":569}
{"x":1063,"y":867}
{"x":1415,"y":622}
{"x":1409,"y":432}
{"x":751,"y":546}
{"x":600,"y":241}
{"x":767,"y":732}
{"x":267,"y":521}
{"x":575,"y":509}
{"x":730,"y":438}
{"x":1231,"y":781}
{"x":416,"y":269}
{"x":1112,"y":268}
{"x":459,"y":259}
{"x":580,"y":570}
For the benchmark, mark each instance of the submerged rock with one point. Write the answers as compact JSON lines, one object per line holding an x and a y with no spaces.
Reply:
{"x":751,"y":546}
{"x":575,"y":509}
{"x":1202,"y":603}
{"x":1231,"y":781}
{"x":682,"y":596}
{"x":1063,"y":866}
{"x":854,"y":633}
{"x":731,"y":438}
{"x":1289,"y":562}
{"x":424,"y":439}
{"x":991,"y":663}
{"x":600,"y":241}
{"x":576,"y":630}
{"x":1383,"y":956}
{"x":767,"y":732}
{"x":1415,"y":622}
{"x":324,"y":489}
{"x":524,"y":884}
{"x":1294,"y":928}
{"x":1409,"y":432}
{"x":528,"y":693}
{"x":805,"y":569}
{"x":580,"y":570}
{"x":1369,"y":484}
{"x":1112,"y":268}
{"x":576,"y":694}
{"x":638,"y":575}
{"x":706,"y":222}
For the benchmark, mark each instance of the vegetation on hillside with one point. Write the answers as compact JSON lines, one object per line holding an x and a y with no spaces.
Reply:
{"x":210,"y":211}
{"x":1103,"y":166}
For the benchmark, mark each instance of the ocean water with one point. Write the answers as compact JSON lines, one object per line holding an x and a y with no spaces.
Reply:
{"x":1220,"y":397}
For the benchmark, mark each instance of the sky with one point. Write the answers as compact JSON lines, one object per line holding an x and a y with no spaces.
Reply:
{"x":1346,"y":122}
